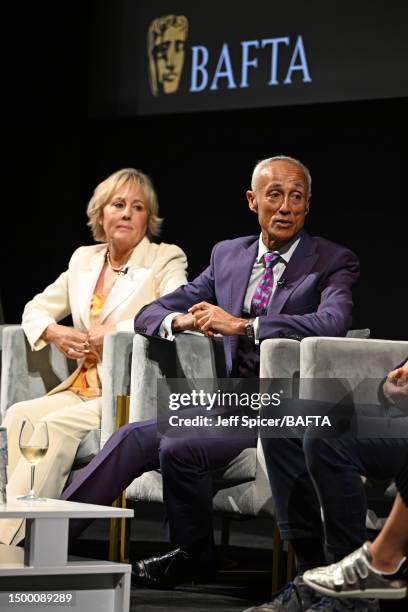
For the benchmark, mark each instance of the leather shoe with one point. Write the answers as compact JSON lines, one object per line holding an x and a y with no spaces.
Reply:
{"x":171,"y":569}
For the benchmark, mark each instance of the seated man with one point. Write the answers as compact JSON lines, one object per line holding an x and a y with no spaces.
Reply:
{"x":325,"y":474}
{"x":283,"y":283}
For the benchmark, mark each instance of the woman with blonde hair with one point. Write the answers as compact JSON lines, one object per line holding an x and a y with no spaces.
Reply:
{"x":104,"y":287}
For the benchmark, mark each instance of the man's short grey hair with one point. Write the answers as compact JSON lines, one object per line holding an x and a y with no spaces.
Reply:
{"x":265,"y":162}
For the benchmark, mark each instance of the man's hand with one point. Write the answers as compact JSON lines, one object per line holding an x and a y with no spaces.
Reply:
{"x":396,"y":386}
{"x":210,"y":320}
{"x":70,"y":341}
{"x":183,"y":323}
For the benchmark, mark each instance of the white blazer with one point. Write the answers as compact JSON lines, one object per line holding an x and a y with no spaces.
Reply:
{"x":153,"y":271}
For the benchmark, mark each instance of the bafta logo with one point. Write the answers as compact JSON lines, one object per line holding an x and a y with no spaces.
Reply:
{"x":165,"y":51}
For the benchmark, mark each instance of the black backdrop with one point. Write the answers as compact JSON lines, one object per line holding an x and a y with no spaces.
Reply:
{"x":201,"y":165}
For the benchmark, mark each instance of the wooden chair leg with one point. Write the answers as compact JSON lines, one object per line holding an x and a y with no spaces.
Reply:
{"x":114,"y":536}
{"x":119,"y":529}
{"x":290,"y":564}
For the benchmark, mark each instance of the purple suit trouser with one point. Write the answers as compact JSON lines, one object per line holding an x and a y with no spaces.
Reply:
{"x":186,"y":466}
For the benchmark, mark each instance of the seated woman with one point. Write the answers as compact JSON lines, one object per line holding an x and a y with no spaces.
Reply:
{"x":104,"y":287}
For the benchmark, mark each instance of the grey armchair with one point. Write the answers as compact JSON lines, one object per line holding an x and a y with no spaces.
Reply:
{"x":352,"y":361}
{"x":242,"y":488}
{"x":27,"y":374}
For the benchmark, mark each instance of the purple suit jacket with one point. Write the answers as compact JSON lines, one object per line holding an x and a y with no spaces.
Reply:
{"x":315,"y":299}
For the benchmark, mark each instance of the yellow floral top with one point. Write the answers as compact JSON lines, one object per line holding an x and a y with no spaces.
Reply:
{"x":87,"y":383}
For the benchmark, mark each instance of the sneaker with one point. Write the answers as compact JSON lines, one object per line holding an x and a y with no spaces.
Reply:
{"x":355,"y":577}
{"x":294,"y":597}
{"x":333,"y":604}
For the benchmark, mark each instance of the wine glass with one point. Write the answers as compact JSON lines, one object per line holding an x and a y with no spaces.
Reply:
{"x":33,"y":442}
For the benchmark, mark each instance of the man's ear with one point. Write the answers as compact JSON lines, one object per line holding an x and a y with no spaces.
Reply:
{"x":252,"y":203}
{"x":308,"y":206}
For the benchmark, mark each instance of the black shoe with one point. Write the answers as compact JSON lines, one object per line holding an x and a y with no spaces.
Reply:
{"x":169,"y":570}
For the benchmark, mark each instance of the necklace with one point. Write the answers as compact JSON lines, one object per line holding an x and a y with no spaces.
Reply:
{"x":108,"y":261}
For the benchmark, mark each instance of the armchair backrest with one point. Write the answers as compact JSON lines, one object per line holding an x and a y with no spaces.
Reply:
{"x":190,"y":356}
{"x":353,"y":366}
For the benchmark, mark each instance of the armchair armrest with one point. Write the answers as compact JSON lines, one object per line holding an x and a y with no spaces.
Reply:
{"x":280,"y":358}
{"x":351,"y":361}
{"x":116,"y":371}
{"x":28,"y":374}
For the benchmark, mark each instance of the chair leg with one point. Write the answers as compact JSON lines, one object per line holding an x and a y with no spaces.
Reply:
{"x":290,"y":564}
{"x":119,"y":528}
{"x":124,"y":535}
{"x":114,"y":536}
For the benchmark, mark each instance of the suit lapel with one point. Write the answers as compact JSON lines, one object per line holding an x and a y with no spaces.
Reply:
{"x":128,"y":283}
{"x":241,"y":271}
{"x":241,"y":265}
{"x":87,"y":279}
{"x":300,"y":264}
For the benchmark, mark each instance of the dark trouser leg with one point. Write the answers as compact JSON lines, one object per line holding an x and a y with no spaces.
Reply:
{"x":129,"y":452}
{"x":336,"y":466}
{"x":187,"y":466}
{"x":296,"y":503}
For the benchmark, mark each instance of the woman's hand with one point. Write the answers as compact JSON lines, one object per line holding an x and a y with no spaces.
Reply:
{"x":72,"y":342}
{"x":96,"y":335}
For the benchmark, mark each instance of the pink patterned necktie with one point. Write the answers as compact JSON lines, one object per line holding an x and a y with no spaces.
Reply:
{"x":263,"y":291}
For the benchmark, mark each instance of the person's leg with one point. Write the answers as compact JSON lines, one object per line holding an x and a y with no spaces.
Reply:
{"x":377,"y":570}
{"x":336,"y":466}
{"x":391,"y":545}
{"x":187,"y":466}
{"x":297,"y":507}
{"x":34,"y":410}
{"x":68,"y":419}
{"x":296,"y":503}
{"x":129,"y":452}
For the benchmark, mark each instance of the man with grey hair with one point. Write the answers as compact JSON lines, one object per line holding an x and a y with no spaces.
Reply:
{"x":282,"y":283}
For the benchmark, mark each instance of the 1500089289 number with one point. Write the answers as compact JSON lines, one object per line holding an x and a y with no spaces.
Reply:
{"x":43,"y":597}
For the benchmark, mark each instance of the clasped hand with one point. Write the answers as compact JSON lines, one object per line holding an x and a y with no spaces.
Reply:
{"x":209,"y":320}
{"x":76,"y":344}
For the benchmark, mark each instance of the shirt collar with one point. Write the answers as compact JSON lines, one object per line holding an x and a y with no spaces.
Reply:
{"x":285,"y":252}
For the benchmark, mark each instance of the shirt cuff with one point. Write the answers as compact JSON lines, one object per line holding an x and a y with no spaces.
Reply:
{"x":165,"y":330}
{"x":256,"y":330}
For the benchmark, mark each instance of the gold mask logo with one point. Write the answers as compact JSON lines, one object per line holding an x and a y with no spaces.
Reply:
{"x":165,"y":51}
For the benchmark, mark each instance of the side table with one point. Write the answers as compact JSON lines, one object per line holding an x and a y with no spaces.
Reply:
{"x":41,"y":577}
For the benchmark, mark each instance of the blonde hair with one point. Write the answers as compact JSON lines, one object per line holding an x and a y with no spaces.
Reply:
{"x":105,"y":190}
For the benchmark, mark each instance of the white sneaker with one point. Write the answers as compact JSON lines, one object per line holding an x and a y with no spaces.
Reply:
{"x":355,"y":577}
